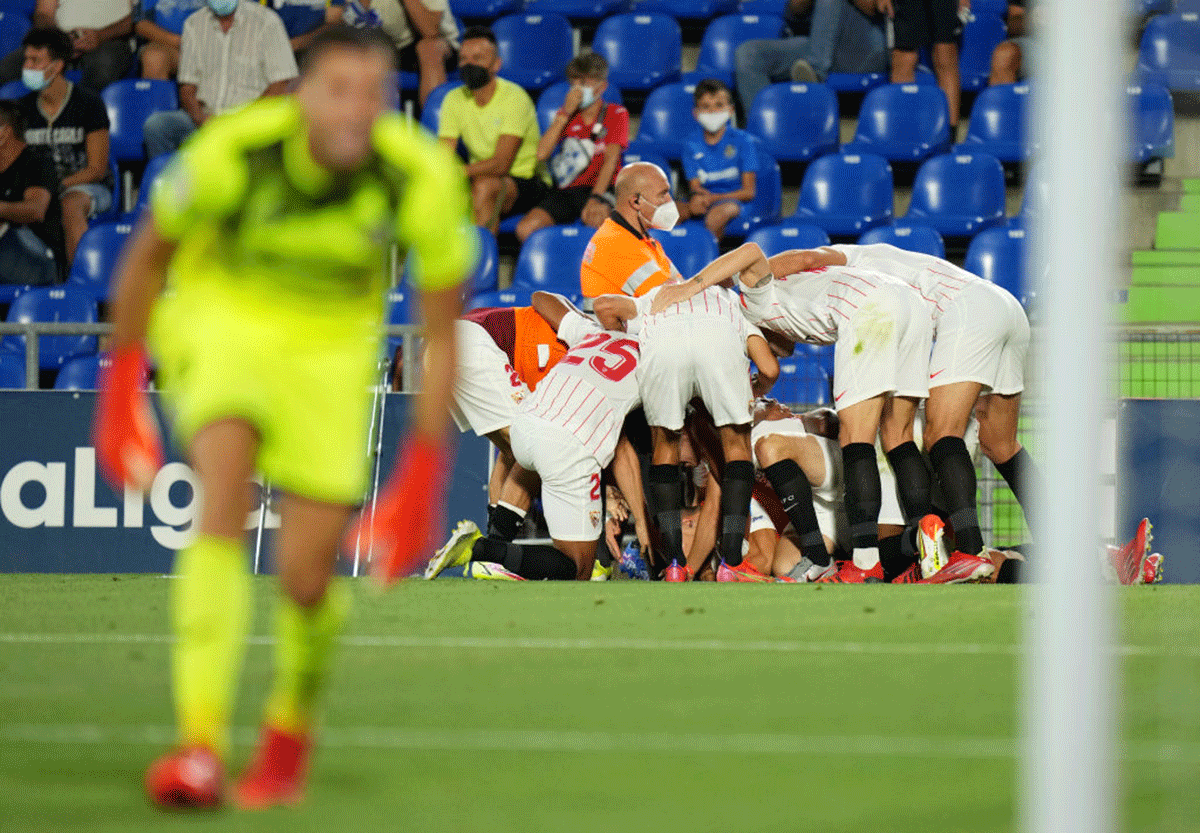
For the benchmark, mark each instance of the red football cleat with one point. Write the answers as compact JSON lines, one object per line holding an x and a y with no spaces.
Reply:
{"x":276,"y":775}
{"x":961,"y":569}
{"x":1129,"y":562}
{"x":186,"y":779}
{"x":676,"y":573}
{"x":910,"y":576}
{"x":745,"y":572}
{"x":851,"y":574}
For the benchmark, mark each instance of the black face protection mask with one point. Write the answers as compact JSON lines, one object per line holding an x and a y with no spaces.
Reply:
{"x":474,"y":76}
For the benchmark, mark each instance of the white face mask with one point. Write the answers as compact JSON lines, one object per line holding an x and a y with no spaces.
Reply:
{"x":587,"y":97}
{"x":712,"y":122}
{"x":665,"y":216}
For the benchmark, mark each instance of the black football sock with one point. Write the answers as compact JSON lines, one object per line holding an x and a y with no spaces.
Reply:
{"x":893,"y":557}
{"x":1019,"y":472}
{"x":736,"y":484}
{"x":504,"y":522}
{"x":863,"y":494}
{"x":531,"y":561}
{"x":956,"y":474}
{"x":795,"y":493}
{"x":912,"y":481}
{"x":665,"y":494}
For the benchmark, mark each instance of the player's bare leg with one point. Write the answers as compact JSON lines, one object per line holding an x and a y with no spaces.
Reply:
{"x":582,"y":553}
{"x":311,"y":610}
{"x":507,"y":515}
{"x":504,"y":463}
{"x":947,"y":413}
{"x":998,"y":417}
{"x":210,"y":614}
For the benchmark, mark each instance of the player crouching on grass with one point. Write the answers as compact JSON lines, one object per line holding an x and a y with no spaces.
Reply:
{"x":566,"y":432}
{"x":273,"y":229}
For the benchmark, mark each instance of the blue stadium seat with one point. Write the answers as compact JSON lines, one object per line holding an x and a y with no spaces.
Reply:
{"x":767,"y":204}
{"x":1181,"y":6}
{"x":553,"y":97}
{"x":12,"y":370}
{"x":578,"y":9}
{"x":667,"y":119}
{"x":96,"y":257}
{"x":686,"y":9}
{"x":433,"y":105}
{"x":996,"y":7}
{"x":81,"y":373}
{"x":486,"y":274}
{"x":520,"y":296}
{"x":998,"y":123}
{"x":802,"y":381}
{"x":822,"y":354}
{"x":489,"y":9}
{"x":13,"y":90}
{"x":14,"y":24}
{"x":999,"y":255}
{"x":643,"y":50}
{"x":854,"y":82}
{"x":151,"y":172}
{"x":797,"y":122}
{"x":1170,"y":52}
{"x":775,"y":7}
{"x":847,"y":193}
{"x":130,"y":102}
{"x":981,"y":34}
{"x":780,"y":238}
{"x":912,"y":238}
{"x":959,"y":194}
{"x":534,"y":48}
{"x":23,"y":7}
{"x":551,"y":257}
{"x":1153,"y":122}
{"x":58,"y":303}
{"x":902,"y":122}
{"x":721,"y":39}
{"x":690,"y":246}
{"x":643,"y":152}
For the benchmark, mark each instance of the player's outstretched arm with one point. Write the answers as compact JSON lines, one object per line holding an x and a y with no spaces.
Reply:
{"x":128,"y":445}
{"x":747,"y":259}
{"x":803,"y":260}
{"x":614,"y":311}
{"x":552,"y":307}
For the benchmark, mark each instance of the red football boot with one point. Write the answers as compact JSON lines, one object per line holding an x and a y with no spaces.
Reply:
{"x":276,"y":775}
{"x":185,"y":779}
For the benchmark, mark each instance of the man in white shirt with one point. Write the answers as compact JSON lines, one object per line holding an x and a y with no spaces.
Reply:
{"x":424,"y":31}
{"x":232,"y":52}
{"x":99,"y":31}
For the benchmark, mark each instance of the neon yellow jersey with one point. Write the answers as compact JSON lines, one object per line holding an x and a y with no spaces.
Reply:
{"x":246,"y":202}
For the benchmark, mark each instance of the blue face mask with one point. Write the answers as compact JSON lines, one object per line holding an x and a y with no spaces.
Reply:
{"x":34,"y":79}
{"x":221,"y":8}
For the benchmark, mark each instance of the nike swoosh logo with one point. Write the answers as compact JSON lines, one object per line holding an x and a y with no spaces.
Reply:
{"x":932,"y":375}
{"x":839,"y":396}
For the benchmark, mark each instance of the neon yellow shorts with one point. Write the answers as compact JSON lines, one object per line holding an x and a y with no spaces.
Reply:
{"x":301,"y":375}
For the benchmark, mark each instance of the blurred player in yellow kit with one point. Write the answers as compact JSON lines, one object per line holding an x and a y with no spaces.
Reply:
{"x":258,"y":280}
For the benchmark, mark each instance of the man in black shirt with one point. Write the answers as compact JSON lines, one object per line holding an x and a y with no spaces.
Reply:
{"x":31,"y":245}
{"x":71,"y":123}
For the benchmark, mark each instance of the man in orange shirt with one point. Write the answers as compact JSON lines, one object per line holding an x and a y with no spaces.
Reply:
{"x":503,"y":353}
{"x":622,"y":258}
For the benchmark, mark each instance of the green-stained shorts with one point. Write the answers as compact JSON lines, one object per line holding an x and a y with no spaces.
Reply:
{"x":301,"y":376}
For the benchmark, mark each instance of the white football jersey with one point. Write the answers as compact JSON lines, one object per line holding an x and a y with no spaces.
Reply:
{"x":938,"y":280}
{"x":819,"y":301}
{"x":592,"y":388}
{"x":716,"y":302}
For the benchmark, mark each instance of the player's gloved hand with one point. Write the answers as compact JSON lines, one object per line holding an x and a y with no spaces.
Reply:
{"x":128,"y":445}
{"x":400,"y":529}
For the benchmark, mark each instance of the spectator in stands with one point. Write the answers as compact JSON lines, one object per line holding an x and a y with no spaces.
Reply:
{"x":933,"y":23}
{"x":99,"y":31}
{"x":496,"y":121}
{"x":583,"y":145}
{"x":1008,"y":58}
{"x":160,"y":23}
{"x":71,"y":124}
{"x":719,"y":161}
{"x":31,"y":243}
{"x":828,"y":36}
{"x":424,"y":31}
{"x":305,"y":19}
{"x":231,"y":52}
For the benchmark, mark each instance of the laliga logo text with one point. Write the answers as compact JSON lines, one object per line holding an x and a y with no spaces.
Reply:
{"x":177,"y":527}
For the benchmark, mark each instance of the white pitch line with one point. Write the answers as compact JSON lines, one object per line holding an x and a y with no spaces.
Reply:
{"x":500,"y":643}
{"x":566,"y":740}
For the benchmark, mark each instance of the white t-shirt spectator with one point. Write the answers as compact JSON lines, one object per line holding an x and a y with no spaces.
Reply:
{"x":231,"y":68}
{"x":395,"y":24}
{"x":90,"y":14}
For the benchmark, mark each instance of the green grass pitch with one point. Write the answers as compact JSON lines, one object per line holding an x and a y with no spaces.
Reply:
{"x":487,"y":706}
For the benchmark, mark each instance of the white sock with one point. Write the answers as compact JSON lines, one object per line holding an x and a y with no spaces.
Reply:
{"x":866,"y":557}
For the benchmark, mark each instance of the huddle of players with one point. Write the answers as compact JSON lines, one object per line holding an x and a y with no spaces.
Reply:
{"x":906,"y":327}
